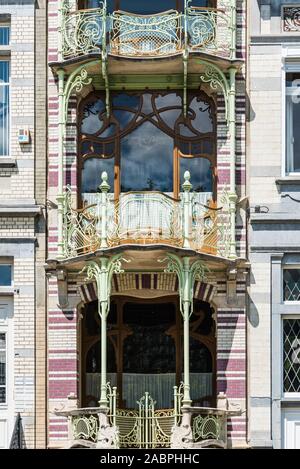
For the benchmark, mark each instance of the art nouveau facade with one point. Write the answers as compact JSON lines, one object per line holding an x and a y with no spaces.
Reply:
{"x":273,"y":153}
{"x":147,"y":239}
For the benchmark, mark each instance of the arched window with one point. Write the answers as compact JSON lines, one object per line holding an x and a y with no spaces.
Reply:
{"x":147,"y":144}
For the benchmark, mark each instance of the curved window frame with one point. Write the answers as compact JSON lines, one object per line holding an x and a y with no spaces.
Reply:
{"x":115,"y":140}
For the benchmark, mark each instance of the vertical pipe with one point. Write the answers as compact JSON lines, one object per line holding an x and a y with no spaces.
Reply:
{"x":186,"y":332}
{"x":232,"y":135}
{"x":233,"y":29}
{"x":61,"y":134}
{"x":103,"y":396}
{"x":104,"y":187}
{"x":60,"y":18}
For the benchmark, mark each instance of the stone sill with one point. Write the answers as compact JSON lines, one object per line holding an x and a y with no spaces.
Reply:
{"x":287,"y":180}
{"x":7,"y":291}
{"x":274,"y":218}
{"x":7,"y":162}
{"x":19,"y":211}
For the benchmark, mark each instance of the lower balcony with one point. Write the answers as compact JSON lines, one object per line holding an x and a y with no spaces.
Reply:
{"x":145,"y":427}
{"x":193,"y":221}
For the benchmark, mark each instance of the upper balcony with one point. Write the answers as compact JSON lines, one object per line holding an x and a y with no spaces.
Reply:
{"x":122,"y":34}
{"x":145,"y":218}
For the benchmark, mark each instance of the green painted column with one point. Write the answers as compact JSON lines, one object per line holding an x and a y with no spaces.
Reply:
{"x":232,"y":196}
{"x":186,"y":300}
{"x":61,"y":135}
{"x":102,"y":271}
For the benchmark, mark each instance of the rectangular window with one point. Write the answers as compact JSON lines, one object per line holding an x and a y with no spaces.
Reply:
{"x":5,"y":275}
{"x":4,"y":35}
{"x":291,"y":355}
{"x":2,"y":368}
{"x":293,"y":122}
{"x":291,"y":284}
{"x":4,"y":108}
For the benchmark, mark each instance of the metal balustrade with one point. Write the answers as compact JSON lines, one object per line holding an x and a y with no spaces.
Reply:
{"x":146,"y":218}
{"x":207,"y":30}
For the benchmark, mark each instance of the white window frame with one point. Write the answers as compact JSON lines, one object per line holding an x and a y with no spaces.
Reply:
{"x":7,"y":59}
{"x":287,"y":395}
{"x":289,"y":267}
{"x":287,"y":119}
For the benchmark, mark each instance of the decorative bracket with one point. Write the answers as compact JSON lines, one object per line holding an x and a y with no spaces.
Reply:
{"x":62,"y":286}
{"x":217,"y":81}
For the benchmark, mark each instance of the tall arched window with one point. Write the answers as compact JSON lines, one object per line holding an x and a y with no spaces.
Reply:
{"x":147,"y":144}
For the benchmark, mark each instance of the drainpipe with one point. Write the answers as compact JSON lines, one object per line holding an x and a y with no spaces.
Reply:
{"x":61,"y":133}
{"x":233,"y":30}
{"x":232,"y":135}
{"x":186,"y":332}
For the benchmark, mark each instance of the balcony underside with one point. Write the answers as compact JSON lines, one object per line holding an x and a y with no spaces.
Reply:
{"x":172,"y":64}
{"x":144,"y":258}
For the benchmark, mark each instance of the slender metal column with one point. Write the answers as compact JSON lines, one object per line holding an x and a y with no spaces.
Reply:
{"x":102,"y":271}
{"x":187,"y":215}
{"x":61,"y":134}
{"x":186,"y":331}
{"x":233,"y":30}
{"x":232,"y":135}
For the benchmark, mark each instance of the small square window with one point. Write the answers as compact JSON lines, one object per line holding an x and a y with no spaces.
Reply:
{"x":5,"y":275}
{"x":4,"y":35}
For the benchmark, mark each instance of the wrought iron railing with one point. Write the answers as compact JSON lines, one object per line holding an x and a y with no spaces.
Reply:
{"x":18,"y":439}
{"x":125,"y":34}
{"x":209,"y":427}
{"x":146,"y":218}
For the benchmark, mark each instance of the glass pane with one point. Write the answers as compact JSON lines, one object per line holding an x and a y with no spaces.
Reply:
{"x":200,"y":114}
{"x":4,"y":108}
{"x":291,"y":355}
{"x":291,"y":284}
{"x":147,"y":160}
{"x":4,"y":35}
{"x":5,"y":275}
{"x":293,"y":121}
{"x":91,"y":174}
{"x":2,"y":395}
{"x":2,"y":341}
{"x":200,"y":171}
{"x":202,"y":3}
{"x":146,"y":7}
{"x":91,"y":117}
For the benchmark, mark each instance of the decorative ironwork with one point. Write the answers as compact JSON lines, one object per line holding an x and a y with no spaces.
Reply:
{"x":18,"y":439}
{"x":209,"y":427}
{"x":291,"y":355}
{"x":291,"y":19}
{"x":79,"y":227}
{"x":146,"y":427}
{"x":85,"y":427}
{"x":82,"y":32}
{"x":145,"y":217}
{"x":209,"y":31}
{"x":155,"y":35}
{"x":197,"y":29}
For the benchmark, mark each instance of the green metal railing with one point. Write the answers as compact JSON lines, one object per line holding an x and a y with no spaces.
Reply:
{"x":146,"y":218}
{"x":208,"y":30}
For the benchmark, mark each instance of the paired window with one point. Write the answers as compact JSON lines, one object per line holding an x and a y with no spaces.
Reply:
{"x":4,"y":35}
{"x":3,"y":362}
{"x":147,"y":144}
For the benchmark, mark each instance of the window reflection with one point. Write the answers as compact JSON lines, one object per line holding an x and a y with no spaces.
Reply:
{"x":146,"y":7}
{"x":147,"y":160}
{"x":91,"y":175}
{"x":200,"y":171}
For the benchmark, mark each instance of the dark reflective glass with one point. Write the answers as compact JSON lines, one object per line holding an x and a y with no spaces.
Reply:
{"x":147,"y":160}
{"x":91,"y":174}
{"x":91,"y":121}
{"x":200,"y":171}
{"x":5,"y":275}
{"x":146,"y":7}
{"x":94,"y":356}
{"x":200,"y":115}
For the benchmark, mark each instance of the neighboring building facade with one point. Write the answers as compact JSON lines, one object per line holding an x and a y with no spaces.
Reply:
{"x":146,"y":226}
{"x":22,"y":222}
{"x":274,"y":239}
